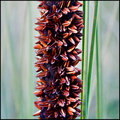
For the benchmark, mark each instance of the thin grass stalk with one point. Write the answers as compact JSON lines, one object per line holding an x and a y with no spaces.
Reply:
{"x":100,"y":88}
{"x":85,"y":72}
{"x":100,"y":65}
{"x":97,"y":75}
{"x":83,"y":38}
{"x":92,"y":51}
{"x":85,"y":62}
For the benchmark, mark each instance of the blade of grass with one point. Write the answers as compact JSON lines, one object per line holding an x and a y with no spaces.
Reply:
{"x":101,"y":88}
{"x":85,"y":67}
{"x":97,"y":75}
{"x":92,"y":51}
{"x":100,"y":65}
{"x":84,"y":4}
{"x":99,"y":85}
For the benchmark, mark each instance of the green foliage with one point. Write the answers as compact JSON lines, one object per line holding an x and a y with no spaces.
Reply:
{"x":84,"y":74}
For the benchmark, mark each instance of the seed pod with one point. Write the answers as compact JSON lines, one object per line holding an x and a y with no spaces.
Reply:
{"x":62,"y":113}
{"x":58,"y":86}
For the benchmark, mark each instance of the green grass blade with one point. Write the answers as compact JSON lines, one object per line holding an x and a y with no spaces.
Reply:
{"x":84,"y":4}
{"x":92,"y":50}
{"x":99,"y":69}
{"x":97,"y":74}
{"x":85,"y":67}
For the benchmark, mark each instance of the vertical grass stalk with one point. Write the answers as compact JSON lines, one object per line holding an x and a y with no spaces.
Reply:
{"x":85,"y":67}
{"x":84,"y":4}
{"x":92,"y":51}
{"x":99,"y":63}
{"x":97,"y":75}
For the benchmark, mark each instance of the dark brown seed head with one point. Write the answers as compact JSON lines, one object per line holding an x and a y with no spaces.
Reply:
{"x":58,"y":86}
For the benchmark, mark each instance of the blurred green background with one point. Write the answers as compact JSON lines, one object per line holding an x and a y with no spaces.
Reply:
{"x":18,"y":57}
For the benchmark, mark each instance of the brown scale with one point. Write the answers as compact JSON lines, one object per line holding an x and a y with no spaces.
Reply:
{"x":58,"y":86}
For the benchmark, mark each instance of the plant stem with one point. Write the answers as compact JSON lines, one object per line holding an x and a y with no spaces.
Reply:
{"x":85,"y":71}
{"x":92,"y":51}
{"x":100,"y":66}
{"x":83,"y":38}
{"x":97,"y":73}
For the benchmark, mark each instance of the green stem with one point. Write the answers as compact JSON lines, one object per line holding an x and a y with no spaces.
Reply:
{"x":85,"y":68}
{"x":100,"y":67}
{"x":83,"y":58}
{"x":97,"y":73}
{"x":92,"y":51}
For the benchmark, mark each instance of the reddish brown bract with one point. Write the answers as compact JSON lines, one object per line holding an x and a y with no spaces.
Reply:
{"x":58,"y":86}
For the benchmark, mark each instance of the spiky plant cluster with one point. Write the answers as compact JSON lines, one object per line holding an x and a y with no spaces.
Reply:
{"x":58,"y":86}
